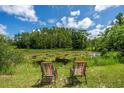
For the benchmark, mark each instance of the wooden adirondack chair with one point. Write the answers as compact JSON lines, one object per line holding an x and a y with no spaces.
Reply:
{"x":78,"y":70}
{"x":49,"y":73}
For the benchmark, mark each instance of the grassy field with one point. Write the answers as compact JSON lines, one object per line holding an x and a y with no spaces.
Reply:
{"x":108,"y":74}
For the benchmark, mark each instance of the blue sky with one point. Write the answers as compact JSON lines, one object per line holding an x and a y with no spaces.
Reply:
{"x":16,"y":19}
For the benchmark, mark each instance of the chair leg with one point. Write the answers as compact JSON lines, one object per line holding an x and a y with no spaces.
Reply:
{"x":72,"y":80}
{"x":81,"y":77}
{"x":42,"y":80}
{"x":85,"y":77}
{"x":54,"y":80}
{"x":71,"y":76}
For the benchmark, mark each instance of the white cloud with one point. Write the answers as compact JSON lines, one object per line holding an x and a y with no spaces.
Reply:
{"x":51,"y":21}
{"x":64,"y":20}
{"x":109,"y":22}
{"x":24,"y":13}
{"x":85,"y":23}
{"x":72,"y":22}
{"x":33,"y":30}
{"x":96,"y":16}
{"x":42,"y":23}
{"x":114,"y":21}
{"x":99,"y":26}
{"x":109,"y":26}
{"x":96,"y":32}
{"x":75,"y":13}
{"x":58,"y":24}
{"x":3,"y":29}
{"x":68,"y":22}
{"x":100,"y":8}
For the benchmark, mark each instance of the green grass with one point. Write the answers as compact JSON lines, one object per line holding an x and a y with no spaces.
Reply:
{"x":100,"y":75}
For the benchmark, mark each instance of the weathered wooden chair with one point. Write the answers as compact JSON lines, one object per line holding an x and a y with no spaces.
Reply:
{"x":49,"y":73}
{"x":78,"y":70}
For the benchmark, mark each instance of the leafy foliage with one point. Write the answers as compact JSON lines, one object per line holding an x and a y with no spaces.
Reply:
{"x":120,"y":19}
{"x":79,"y":39}
{"x":51,"y":38}
{"x":9,"y":58}
{"x":112,"y":39}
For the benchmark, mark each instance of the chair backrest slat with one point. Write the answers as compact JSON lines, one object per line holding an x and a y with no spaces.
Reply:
{"x":47,"y":68}
{"x":79,"y":67}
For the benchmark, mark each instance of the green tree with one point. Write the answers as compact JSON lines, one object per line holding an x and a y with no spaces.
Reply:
{"x":120,"y":19}
{"x":51,"y":38}
{"x":79,"y":39}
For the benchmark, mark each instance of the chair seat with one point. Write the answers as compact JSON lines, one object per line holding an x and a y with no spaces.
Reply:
{"x":78,"y":72}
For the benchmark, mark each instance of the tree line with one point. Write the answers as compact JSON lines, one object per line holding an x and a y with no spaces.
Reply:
{"x":47,"y":38}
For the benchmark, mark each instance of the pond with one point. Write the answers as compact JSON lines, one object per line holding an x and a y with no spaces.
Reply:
{"x":94,"y":54}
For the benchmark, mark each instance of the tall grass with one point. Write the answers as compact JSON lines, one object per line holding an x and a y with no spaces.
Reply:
{"x":109,"y":58}
{"x":100,"y":70}
{"x":101,"y":61}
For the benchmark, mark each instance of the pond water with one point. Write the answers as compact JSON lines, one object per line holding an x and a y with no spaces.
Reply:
{"x":94,"y":54}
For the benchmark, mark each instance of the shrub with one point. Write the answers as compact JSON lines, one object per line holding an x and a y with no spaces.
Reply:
{"x":9,"y":58}
{"x":121,"y":60}
{"x":111,"y":54}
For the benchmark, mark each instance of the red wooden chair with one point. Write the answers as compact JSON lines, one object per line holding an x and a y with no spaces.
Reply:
{"x":48,"y":72}
{"x":78,"y":70}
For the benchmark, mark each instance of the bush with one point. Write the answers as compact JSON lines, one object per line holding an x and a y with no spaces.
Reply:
{"x":9,"y":58}
{"x":121,"y":60}
{"x":111,"y":54}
